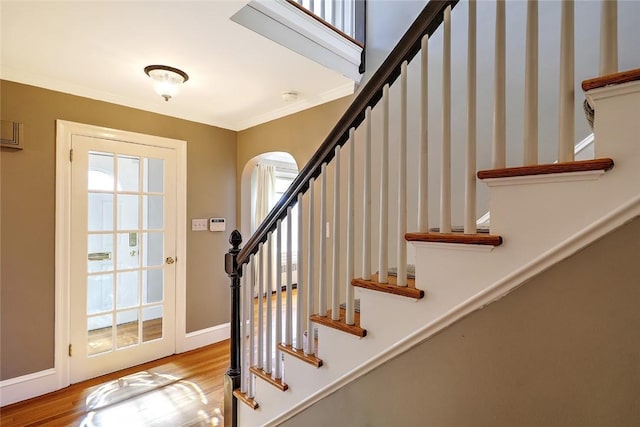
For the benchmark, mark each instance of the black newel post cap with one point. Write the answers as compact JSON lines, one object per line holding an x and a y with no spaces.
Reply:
{"x":231,"y":257}
{"x":235,"y":239}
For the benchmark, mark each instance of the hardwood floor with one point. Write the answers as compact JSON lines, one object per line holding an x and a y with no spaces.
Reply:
{"x":179,"y":390}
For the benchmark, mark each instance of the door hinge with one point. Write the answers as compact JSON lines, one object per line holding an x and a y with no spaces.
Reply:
{"x":71,"y":155}
{"x":70,"y":350}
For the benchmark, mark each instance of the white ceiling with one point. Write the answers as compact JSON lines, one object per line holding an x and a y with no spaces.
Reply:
{"x":98,"y":49}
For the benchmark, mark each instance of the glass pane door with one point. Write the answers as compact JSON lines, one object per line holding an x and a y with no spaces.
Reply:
{"x":123,"y":243}
{"x":125,"y":251}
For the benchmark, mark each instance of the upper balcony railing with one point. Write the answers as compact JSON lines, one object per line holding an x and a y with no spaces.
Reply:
{"x":347,"y":17}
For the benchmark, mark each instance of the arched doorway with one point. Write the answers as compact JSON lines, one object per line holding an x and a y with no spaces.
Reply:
{"x":281,"y":168}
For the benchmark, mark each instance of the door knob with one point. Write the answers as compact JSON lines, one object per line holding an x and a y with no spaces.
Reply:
{"x":170,"y":260}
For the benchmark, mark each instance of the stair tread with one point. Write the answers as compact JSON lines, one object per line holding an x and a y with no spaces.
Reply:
{"x":390,"y":288}
{"x":301,"y":355}
{"x":250,"y":402}
{"x":565,"y":167}
{"x":611,"y":79}
{"x":340,"y":324}
{"x":277,"y":383}
{"x":460,"y":238}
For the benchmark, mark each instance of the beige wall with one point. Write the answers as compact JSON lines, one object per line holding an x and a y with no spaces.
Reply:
{"x":27,"y":188}
{"x":562,"y":350}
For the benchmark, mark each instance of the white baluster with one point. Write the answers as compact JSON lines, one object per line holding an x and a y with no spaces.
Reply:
{"x":310,"y":269}
{"x":312,"y":6}
{"x":322,"y":274}
{"x":348,"y":18}
{"x":322,"y":9}
{"x":244,"y":302}
{"x":300,"y":279}
{"x":252,"y":349}
{"x":288,"y":336}
{"x":335,"y":280}
{"x":423,"y":160}
{"x":260,"y":362}
{"x":566,"y":138}
{"x":470,"y":182}
{"x":445,"y":171}
{"x":383,"y":248}
{"x":531,"y":86}
{"x":278,"y":265}
{"x":401,"y":278}
{"x":609,"y":37}
{"x":334,"y":12}
{"x":269,"y":322}
{"x":499,"y":108}
{"x":366,"y":208}
{"x":350,"y":301}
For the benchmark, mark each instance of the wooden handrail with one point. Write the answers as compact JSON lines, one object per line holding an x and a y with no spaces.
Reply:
{"x":409,"y":45}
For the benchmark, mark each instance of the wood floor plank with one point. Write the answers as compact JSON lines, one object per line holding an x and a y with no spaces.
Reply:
{"x":202,"y":370}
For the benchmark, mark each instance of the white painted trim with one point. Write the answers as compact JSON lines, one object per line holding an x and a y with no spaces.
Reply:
{"x":64,"y":131}
{"x":181,"y":247}
{"x":27,"y":386}
{"x":25,"y":77}
{"x":303,"y":104}
{"x":611,"y":91}
{"x":454,"y":246}
{"x":64,"y":86}
{"x":484,"y":219}
{"x":207,"y":336}
{"x":546,"y":178}
{"x":300,"y":22}
{"x":582,"y":145}
{"x":492,"y":293}
{"x":282,"y":23}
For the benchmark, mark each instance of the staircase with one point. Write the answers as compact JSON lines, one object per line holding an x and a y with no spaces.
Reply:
{"x":358,"y":212}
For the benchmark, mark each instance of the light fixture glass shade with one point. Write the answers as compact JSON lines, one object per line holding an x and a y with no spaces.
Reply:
{"x":166,"y":80}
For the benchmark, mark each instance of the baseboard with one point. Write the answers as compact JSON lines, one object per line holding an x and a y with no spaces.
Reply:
{"x":207,"y":336}
{"x":27,"y":386}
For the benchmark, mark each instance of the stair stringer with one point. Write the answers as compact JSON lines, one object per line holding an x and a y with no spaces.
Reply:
{"x":458,"y":282}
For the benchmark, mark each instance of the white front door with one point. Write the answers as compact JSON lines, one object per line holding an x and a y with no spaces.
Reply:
{"x":123,"y":253}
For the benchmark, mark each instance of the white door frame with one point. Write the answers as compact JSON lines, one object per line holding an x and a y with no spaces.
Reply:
{"x":64,"y":131}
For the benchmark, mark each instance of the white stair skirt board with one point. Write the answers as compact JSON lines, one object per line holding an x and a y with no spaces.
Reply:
{"x":492,"y":293}
{"x":572,"y":214}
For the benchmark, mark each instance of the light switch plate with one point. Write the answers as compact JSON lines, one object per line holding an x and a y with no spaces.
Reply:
{"x":199,"y":224}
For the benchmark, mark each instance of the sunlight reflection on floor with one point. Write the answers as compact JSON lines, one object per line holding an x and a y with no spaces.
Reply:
{"x":149,"y":399}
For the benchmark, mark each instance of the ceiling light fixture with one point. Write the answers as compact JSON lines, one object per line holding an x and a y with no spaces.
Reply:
{"x":166,"y":80}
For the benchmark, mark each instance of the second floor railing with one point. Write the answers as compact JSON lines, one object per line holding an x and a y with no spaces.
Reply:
{"x":345,"y":16}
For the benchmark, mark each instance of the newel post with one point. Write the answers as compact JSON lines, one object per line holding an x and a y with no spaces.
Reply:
{"x":232,"y":376}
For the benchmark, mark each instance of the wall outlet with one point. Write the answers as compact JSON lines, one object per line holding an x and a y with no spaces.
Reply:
{"x":200,"y":224}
